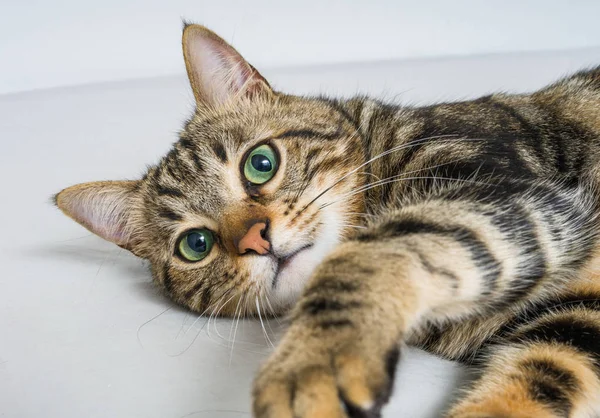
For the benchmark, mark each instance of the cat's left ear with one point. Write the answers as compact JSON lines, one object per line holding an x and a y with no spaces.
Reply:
{"x":217,"y":72}
{"x":106,"y":208}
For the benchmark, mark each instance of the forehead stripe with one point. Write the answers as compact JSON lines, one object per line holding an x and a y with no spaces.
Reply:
{"x":309,"y":134}
{"x":219,"y":151}
{"x":186,"y":143}
{"x":168,"y":191}
{"x":169,"y":214}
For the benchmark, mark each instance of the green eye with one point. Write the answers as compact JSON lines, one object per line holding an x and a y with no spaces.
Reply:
{"x":261,"y":165}
{"x":196,"y":244}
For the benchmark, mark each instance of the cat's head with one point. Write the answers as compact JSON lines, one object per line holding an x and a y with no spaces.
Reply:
{"x":258,"y":189}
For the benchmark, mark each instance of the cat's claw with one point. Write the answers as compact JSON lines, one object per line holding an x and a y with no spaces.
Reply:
{"x":300,"y":382}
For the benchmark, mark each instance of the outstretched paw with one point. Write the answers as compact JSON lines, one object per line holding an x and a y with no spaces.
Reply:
{"x":308,"y":378}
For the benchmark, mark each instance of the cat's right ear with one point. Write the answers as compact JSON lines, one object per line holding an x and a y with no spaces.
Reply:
{"x":217,"y":72}
{"x":106,"y":208}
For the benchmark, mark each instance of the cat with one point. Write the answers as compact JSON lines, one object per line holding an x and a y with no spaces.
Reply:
{"x":469,"y":229}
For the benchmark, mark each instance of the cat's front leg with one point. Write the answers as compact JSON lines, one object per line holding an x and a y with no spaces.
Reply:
{"x":339,"y":356}
{"x":441,"y":257}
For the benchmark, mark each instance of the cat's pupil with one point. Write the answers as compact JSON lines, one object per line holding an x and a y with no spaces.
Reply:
{"x":197,"y":242}
{"x":261,"y":163}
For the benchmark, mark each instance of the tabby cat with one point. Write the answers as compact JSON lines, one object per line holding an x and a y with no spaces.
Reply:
{"x":468,"y":229}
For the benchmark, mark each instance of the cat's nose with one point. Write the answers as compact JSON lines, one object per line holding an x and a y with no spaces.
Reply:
{"x":255,"y":239}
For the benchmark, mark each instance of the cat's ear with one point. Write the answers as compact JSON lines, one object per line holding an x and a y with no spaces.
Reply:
{"x":103,"y":207}
{"x":217,"y":72}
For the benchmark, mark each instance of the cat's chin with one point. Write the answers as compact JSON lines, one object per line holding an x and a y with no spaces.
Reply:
{"x":292,"y":276}
{"x":295,"y":271}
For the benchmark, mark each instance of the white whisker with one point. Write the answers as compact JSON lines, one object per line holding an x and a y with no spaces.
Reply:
{"x":387,"y":152}
{"x":263,"y":324}
{"x":147,"y":322}
{"x":185,"y":318}
{"x":214,"y":314}
{"x":398,"y":179}
{"x":234,"y":326}
{"x":191,"y":342}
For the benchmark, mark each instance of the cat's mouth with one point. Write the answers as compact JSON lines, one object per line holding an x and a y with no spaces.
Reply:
{"x":286,"y":260}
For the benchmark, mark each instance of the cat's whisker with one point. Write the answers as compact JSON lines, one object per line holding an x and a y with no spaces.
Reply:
{"x":241,"y":314}
{"x":217,"y":308}
{"x":201,"y":315}
{"x":117,"y":256}
{"x":263,"y":324}
{"x":100,"y":267}
{"x":210,"y":317}
{"x":308,"y":179}
{"x":234,"y":326}
{"x":381,"y":181}
{"x":385,"y":153}
{"x":147,"y":322}
{"x":185,"y":318}
{"x":271,"y":308}
{"x":273,"y":311}
{"x":74,"y":239}
{"x":350,"y":138}
{"x":369,"y":174}
{"x":216,"y":314}
{"x":398,"y":179}
{"x":235,"y":312}
{"x":265,"y":298}
{"x":193,"y":323}
{"x":400,"y":147}
{"x":191,"y":342}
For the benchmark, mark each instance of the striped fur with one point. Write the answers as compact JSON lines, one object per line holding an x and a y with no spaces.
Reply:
{"x":468,"y":229}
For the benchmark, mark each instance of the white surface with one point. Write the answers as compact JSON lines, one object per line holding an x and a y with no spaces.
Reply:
{"x":64,"y":42}
{"x":80,"y":335}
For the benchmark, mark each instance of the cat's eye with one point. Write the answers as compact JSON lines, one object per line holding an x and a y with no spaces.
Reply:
{"x":261,"y":164}
{"x":195,"y":244}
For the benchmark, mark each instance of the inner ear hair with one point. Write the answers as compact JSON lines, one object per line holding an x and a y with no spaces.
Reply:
{"x":104,"y":208}
{"x":218,"y":74}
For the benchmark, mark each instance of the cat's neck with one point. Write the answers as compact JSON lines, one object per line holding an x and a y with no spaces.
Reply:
{"x":383,"y":129}
{"x":401,"y":156}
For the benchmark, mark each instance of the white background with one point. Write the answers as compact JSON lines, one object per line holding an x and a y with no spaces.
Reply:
{"x":62,"y":42}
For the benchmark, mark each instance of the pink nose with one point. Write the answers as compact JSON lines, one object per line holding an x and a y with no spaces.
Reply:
{"x":254,"y":240}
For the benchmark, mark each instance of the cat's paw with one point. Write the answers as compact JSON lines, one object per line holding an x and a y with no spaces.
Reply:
{"x":325,"y":379}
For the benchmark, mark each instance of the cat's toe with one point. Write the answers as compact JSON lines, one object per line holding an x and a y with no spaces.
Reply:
{"x":341,"y":385}
{"x":364,"y":383}
{"x":310,"y":392}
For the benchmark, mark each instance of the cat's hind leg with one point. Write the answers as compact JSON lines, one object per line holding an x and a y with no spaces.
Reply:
{"x":545,"y":364}
{"x":541,"y":380}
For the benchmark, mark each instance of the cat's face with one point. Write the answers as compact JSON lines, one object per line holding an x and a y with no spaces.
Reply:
{"x":234,"y":218}
{"x":208,"y":184}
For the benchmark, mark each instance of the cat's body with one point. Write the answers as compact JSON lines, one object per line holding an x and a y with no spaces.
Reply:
{"x":468,"y":229}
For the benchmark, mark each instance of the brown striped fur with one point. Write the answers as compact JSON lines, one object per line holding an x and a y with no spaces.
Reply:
{"x":469,"y":229}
